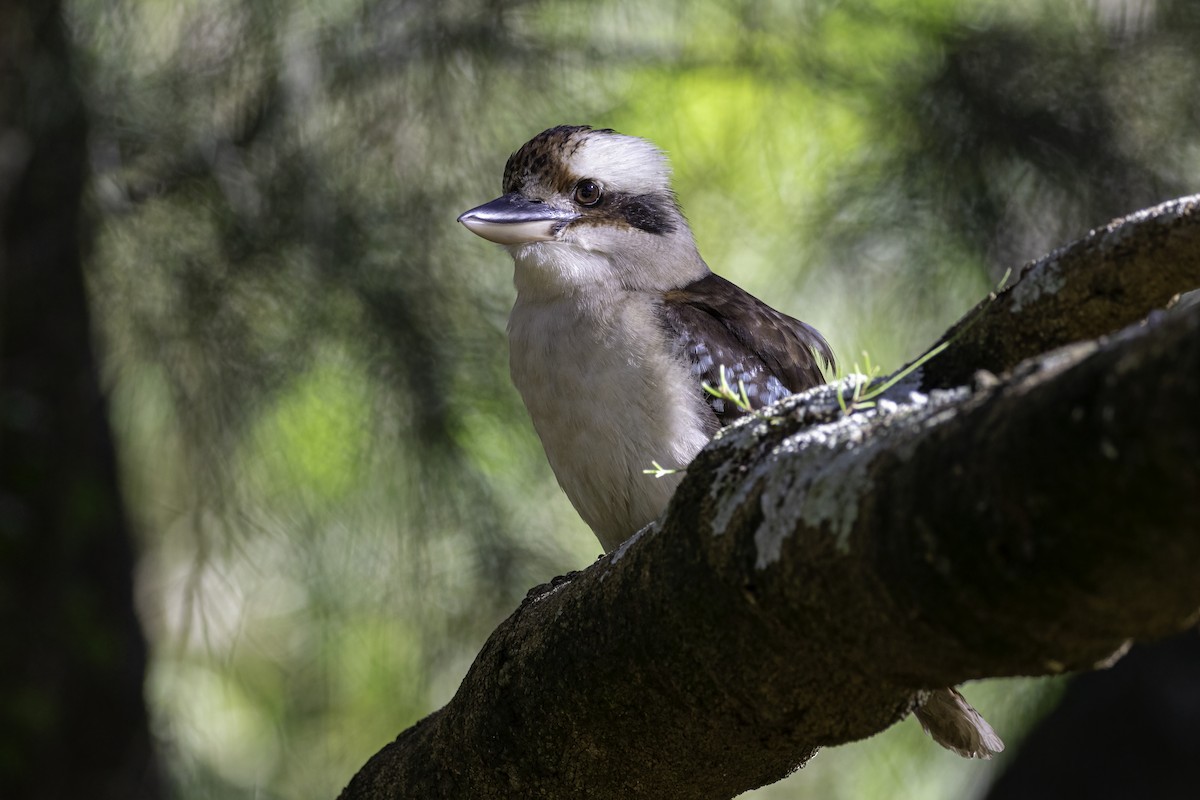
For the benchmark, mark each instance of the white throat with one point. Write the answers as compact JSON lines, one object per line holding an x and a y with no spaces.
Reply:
{"x":605,"y":394}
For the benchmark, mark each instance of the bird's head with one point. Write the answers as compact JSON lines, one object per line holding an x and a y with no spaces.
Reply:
{"x":584,"y":208}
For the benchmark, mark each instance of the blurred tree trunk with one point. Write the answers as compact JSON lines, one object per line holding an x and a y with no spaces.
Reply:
{"x":1008,"y":509}
{"x":1140,"y":720}
{"x":72,"y":717}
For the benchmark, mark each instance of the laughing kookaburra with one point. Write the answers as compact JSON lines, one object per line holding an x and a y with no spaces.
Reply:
{"x":617,"y":324}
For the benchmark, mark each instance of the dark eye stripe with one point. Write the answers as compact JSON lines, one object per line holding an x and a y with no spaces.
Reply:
{"x":646,"y":212}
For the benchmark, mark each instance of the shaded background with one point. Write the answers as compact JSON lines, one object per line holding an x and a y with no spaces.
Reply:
{"x":335,"y":491}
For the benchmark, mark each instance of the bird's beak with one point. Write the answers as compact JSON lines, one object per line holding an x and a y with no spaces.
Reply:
{"x":515,"y":219}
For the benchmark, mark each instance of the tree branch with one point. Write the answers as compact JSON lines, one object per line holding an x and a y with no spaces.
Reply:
{"x":1109,"y":279}
{"x":816,"y":571}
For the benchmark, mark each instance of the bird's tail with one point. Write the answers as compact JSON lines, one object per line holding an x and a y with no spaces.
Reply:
{"x":949,"y":719}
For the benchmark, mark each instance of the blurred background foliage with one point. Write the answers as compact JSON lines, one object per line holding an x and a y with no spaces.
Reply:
{"x":337,"y":492}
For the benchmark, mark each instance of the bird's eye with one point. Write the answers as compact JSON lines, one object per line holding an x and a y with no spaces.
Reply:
{"x":588,"y":193}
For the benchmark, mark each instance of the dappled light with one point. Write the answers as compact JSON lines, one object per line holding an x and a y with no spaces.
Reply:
{"x":335,"y":490}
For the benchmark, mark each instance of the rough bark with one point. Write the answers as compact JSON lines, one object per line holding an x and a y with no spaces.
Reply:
{"x":72,"y":719}
{"x":1111,"y":278}
{"x":816,"y":570}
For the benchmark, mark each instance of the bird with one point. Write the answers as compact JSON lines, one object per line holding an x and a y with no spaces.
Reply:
{"x":619,"y":324}
{"x":618,"y":321}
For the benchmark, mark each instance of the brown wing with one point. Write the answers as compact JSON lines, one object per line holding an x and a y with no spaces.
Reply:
{"x":713,"y":322}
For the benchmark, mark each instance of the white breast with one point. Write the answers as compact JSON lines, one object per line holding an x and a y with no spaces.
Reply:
{"x":607,"y":400}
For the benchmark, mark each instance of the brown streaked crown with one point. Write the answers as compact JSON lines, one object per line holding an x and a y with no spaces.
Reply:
{"x":548,"y":161}
{"x":543,"y":159}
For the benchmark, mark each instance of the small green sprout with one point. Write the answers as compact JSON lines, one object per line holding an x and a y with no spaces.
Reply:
{"x":1003,"y":280}
{"x":726,"y":392}
{"x":861,"y":399}
{"x":659,"y":470}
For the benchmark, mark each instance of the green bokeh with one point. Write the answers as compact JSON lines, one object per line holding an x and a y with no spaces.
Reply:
{"x":336,"y":489}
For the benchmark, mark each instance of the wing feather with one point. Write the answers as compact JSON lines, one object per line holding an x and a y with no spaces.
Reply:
{"x":714,"y":322}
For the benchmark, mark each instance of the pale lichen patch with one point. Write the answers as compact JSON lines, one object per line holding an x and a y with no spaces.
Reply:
{"x":818,"y":476}
{"x":831,"y":498}
{"x":1043,"y":280}
{"x":623,"y":548}
{"x":726,"y":509}
{"x":1122,"y":228}
{"x":817,"y":403}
